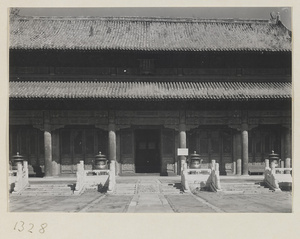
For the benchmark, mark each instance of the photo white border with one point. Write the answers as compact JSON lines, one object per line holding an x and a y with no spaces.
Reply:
{"x":105,"y":225}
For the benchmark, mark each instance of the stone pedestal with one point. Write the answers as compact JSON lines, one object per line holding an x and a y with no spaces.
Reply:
{"x":287,"y":165}
{"x":234,"y":168}
{"x":273,"y":167}
{"x":267,"y":164}
{"x":213,"y":164}
{"x":239,"y":167}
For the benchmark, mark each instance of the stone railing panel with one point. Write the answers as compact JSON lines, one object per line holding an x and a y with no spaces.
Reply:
{"x":90,"y":178}
{"x":18,"y":179}
{"x":256,"y":167}
{"x":276,"y":177}
{"x":204,"y":179}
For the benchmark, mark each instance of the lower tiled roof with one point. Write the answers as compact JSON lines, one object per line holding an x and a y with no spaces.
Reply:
{"x":150,"y":90}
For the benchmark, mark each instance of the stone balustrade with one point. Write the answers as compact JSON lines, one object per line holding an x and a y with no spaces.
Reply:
{"x":91,"y":179}
{"x":18,"y":179}
{"x":213,"y":182}
{"x":205,"y":179}
{"x":277,"y":178}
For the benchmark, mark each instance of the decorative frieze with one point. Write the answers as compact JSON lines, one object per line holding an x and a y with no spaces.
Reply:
{"x":206,"y":121}
{"x":30,"y":117}
{"x":268,"y":113}
{"x":58,"y":114}
{"x":101,"y":114}
{"x":146,"y":114}
{"x":26,"y":113}
{"x":124,"y":113}
{"x":234,"y":121}
{"x":212,"y":113}
{"x":264,"y":120}
{"x":146,"y":121}
{"x":173,"y":114}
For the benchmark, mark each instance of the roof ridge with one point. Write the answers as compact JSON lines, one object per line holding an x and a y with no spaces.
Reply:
{"x":145,"y":19}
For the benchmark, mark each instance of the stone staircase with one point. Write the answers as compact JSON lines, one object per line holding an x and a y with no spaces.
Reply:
{"x":244,"y":187}
{"x":146,"y":186}
{"x":171,"y":188}
{"x":49,"y":189}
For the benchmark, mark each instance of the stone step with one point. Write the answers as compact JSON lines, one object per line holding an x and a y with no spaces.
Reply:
{"x":43,"y":191}
{"x":48,"y":187}
{"x":242,"y":189}
{"x":245,"y":188}
{"x":239,"y":187}
{"x":36,"y":193}
{"x":170,"y":189}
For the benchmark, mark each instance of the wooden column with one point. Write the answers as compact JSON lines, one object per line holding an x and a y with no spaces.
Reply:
{"x":238,"y":152}
{"x":112,"y":150}
{"x":287,"y":144}
{"x":55,"y":152}
{"x":182,"y":142}
{"x":118,"y":148}
{"x":245,"y":148}
{"x":47,"y":145}
{"x":112,"y":142}
{"x":182,"y":137}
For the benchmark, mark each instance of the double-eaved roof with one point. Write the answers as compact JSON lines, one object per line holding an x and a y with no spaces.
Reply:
{"x":148,"y":34}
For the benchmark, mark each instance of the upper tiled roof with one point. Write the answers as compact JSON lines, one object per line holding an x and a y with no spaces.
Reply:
{"x":150,"y":90}
{"x":148,"y":34}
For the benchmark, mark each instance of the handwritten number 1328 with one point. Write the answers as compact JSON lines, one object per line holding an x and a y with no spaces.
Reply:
{"x":20,"y":226}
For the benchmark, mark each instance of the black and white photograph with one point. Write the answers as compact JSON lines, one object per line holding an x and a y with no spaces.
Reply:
{"x":150,"y":113}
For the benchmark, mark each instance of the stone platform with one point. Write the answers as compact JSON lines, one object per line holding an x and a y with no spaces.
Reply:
{"x":156,"y":194}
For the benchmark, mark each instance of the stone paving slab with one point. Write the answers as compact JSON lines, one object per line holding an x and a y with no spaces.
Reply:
{"x":51,"y":203}
{"x":277,"y":202}
{"x":188,"y":204}
{"x":149,"y":202}
{"x":112,"y":204}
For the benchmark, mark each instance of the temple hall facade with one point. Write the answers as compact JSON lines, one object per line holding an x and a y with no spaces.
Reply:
{"x":137,"y":88}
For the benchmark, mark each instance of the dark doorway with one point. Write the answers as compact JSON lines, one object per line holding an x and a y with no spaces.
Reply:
{"x":147,"y":158}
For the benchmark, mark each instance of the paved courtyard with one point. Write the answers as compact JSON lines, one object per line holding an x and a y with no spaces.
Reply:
{"x":155,"y":195}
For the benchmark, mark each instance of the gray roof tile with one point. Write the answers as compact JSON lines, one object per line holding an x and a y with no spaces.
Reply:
{"x":150,"y":90}
{"x":147,"y":34}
